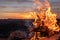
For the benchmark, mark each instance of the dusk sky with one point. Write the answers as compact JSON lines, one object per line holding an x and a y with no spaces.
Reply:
{"x":13,"y":8}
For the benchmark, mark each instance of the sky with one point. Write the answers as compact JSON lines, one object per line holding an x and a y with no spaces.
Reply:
{"x":13,"y":8}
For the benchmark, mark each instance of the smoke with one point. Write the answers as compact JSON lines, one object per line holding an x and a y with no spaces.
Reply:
{"x":42,"y":4}
{"x":28,"y":23}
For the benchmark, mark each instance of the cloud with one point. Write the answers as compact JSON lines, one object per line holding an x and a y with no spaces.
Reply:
{"x":18,"y":0}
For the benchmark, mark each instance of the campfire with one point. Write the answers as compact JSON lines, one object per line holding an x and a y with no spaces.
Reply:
{"x":45,"y":20}
{"x":45,"y":23}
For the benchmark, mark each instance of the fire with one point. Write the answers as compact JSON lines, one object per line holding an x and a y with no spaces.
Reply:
{"x":44,"y":17}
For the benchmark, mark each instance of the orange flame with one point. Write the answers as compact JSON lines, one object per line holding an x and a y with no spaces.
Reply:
{"x":45,"y":16}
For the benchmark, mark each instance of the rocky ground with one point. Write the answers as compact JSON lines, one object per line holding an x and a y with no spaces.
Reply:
{"x":55,"y":37}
